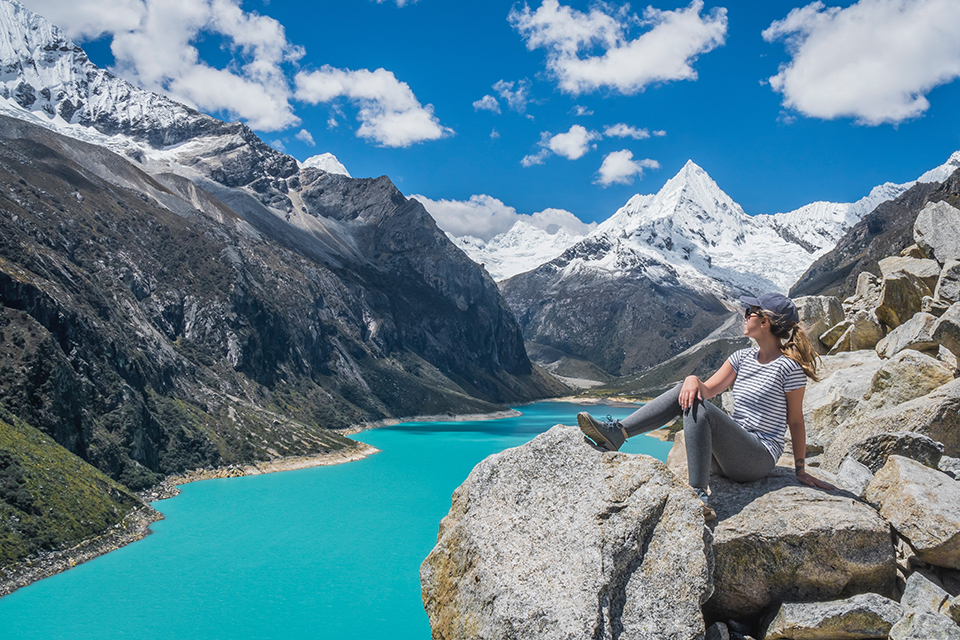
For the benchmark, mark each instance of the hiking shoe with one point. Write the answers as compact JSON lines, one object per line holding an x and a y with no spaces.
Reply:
{"x":609,"y":434}
{"x":709,"y":514}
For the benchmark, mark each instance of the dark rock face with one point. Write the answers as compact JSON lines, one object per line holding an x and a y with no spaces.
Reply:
{"x":607,"y":321}
{"x":885,"y":231}
{"x":148,"y":336}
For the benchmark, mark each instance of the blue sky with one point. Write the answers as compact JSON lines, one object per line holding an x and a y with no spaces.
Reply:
{"x":519,"y":105}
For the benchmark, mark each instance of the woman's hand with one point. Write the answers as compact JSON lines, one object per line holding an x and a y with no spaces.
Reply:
{"x":690,"y":392}
{"x":810,"y":481}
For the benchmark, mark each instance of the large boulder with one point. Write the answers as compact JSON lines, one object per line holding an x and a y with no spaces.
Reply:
{"x":778,"y":541}
{"x":923,"y":592}
{"x":866,"y":615}
{"x":556,"y":539}
{"x":948,"y":285}
{"x":923,"y":505}
{"x":901,"y":296}
{"x":925,"y":269}
{"x":845,"y":378}
{"x":907,"y":375}
{"x":947,"y":329}
{"x":925,"y":626}
{"x":874,"y":451}
{"x":937,"y":231}
{"x":817,"y":314}
{"x":936,"y":414}
{"x":862,"y":331}
{"x":916,"y":333}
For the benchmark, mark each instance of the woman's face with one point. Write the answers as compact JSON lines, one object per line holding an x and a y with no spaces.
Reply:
{"x":754,"y":322}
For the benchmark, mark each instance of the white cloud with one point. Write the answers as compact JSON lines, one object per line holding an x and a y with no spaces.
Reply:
{"x":579,"y":110}
{"x":90,"y":20}
{"x":626,"y":131}
{"x":389,"y":112}
{"x":574,"y":143}
{"x":153,"y":47}
{"x":874,"y":60}
{"x":665,"y":51}
{"x":518,"y":98}
{"x":658,"y":134}
{"x":494,"y":135}
{"x":487,"y":103}
{"x":619,"y":167}
{"x":400,"y":3}
{"x":278,"y":145}
{"x":484,"y":217}
{"x":305,"y":137}
{"x":535,"y":158}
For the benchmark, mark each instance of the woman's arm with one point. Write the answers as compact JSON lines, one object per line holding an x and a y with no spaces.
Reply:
{"x":694,"y":389}
{"x":798,"y":434}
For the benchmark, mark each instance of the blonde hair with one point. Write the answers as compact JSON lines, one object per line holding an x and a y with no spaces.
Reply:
{"x":795,"y":344}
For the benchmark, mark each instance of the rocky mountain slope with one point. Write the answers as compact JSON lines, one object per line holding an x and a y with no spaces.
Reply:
{"x":689,"y":250}
{"x":884,"y":231}
{"x":175,"y":293}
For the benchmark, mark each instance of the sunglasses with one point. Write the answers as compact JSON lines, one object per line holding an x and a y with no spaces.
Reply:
{"x":752,"y":312}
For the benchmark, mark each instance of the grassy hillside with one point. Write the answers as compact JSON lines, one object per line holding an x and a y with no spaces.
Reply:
{"x":49,"y":498}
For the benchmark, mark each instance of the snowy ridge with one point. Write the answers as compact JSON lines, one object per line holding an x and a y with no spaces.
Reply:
{"x":520,"y":249}
{"x":326,"y":162}
{"x":944,"y":171}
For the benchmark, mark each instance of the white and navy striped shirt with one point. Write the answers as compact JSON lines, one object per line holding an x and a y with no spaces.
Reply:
{"x":760,"y":397}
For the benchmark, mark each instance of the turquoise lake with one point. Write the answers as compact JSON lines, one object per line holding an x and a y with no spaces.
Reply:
{"x":327,"y":552}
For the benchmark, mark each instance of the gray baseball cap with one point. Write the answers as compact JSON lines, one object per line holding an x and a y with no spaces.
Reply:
{"x":778,"y":304}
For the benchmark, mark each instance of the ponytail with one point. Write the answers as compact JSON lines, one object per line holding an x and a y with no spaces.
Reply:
{"x":795,"y":344}
{"x":799,"y":348}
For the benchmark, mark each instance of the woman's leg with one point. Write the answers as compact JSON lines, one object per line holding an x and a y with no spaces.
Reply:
{"x":713,"y":436}
{"x":654,"y":414}
{"x":611,"y":434}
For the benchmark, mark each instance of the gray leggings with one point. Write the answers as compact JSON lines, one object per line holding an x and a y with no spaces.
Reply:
{"x":713,"y":440}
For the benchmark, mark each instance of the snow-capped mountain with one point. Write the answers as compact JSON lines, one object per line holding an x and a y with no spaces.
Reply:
{"x":326,"y":162}
{"x":521,"y":248}
{"x":671,"y":262}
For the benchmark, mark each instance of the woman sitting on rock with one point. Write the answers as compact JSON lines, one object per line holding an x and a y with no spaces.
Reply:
{"x":768,"y":383}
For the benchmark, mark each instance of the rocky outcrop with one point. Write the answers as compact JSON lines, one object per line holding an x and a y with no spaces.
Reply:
{"x":874,"y":451}
{"x":778,"y":541}
{"x":923,"y":505}
{"x":936,"y":415}
{"x":555,"y":539}
{"x":937,"y":231}
{"x":884,"y":232}
{"x":868,"y":615}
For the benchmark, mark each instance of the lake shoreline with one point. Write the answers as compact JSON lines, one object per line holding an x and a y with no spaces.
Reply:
{"x":136,"y":525}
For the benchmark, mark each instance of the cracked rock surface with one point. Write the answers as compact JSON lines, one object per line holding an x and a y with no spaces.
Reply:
{"x":556,"y":539}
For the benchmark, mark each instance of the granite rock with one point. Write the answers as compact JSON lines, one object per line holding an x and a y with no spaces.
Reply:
{"x":925,"y":269}
{"x":948,"y":285}
{"x":916,"y":333}
{"x":556,"y":539}
{"x":865,"y":615}
{"x":947,"y":329}
{"x":923,"y":505}
{"x":874,"y":451}
{"x":854,"y":476}
{"x":923,"y":592}
{"x":776,"y":540}
{"x":925,"y":626}
{"x":901,"y":296}
{"x":936,"y":415}
{"x":937,"y":231}
{"x":817,"y":314}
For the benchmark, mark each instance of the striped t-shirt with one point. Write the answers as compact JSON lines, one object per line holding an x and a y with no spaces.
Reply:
{"x":759,"y":394}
